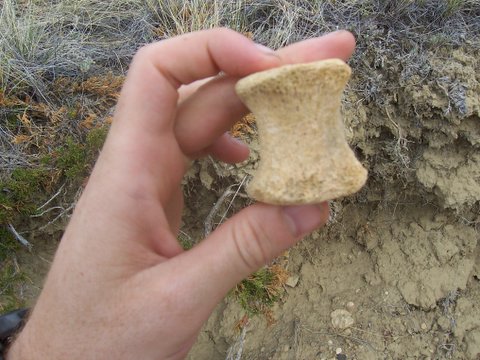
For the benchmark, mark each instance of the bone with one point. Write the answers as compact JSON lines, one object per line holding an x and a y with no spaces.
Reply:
{"x":304,"y":154}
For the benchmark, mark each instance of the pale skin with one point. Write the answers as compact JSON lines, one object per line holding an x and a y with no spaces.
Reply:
{"x":120,"y":286}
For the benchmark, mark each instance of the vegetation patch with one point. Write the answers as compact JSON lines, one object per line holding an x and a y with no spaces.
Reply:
{"x":20,"y":191}
{"x":10,"y":274}
{"x":261,"y":290}
{"x":75,"y":159}
{"x":244,"y":128}
{"x":11,"y":278}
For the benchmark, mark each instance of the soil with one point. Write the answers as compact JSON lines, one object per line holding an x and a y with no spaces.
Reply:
{"x":401,"y":256}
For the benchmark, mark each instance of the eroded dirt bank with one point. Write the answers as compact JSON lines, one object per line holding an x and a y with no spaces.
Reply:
{"x":403,"y":251}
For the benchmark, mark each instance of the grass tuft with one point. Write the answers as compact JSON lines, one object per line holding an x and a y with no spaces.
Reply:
{"x":19,"y":193}
{"x":244,"y":128}
{"x":10,"y":275}
{"x":261,"y":290}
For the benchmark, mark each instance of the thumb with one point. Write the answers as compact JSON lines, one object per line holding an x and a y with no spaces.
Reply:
{"x":249,"y":240}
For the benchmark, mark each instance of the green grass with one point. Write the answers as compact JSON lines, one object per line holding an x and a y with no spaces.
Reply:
{"x":20,"y":192}
{"x":76,"y":158}
{"x":72,"y":159}
{"x":10,"y":275}
{"x":454,"y":5}
{"x":24,"y":189}
{"x":257,"y":293}
{"x":10,"y":278}
{"x":186,"y":242}
{"x":8,"y":245}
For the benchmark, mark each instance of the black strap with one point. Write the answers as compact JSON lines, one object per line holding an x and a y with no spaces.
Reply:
{"x":10,"y":323}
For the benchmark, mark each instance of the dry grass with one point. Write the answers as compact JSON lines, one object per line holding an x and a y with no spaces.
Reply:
{"x":245,"y":127}
{"x":42,"y":40}
{"x":48,"y":46}
{"x":261,"y":290}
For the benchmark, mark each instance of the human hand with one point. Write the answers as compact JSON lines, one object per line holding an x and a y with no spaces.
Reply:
{"x":120,"y":286}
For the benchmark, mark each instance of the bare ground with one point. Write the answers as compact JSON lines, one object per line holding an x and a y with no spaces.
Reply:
{"x":403,"y":251}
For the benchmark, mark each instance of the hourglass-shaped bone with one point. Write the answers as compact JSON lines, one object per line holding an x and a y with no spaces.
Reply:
{"x":304,"y":155}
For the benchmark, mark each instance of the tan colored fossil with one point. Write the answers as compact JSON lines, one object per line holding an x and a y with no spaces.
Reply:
{"x":304,"y":155}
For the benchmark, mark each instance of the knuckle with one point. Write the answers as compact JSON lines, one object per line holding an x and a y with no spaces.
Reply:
{"x":251,"y":241}
{"x":224,"y":32}
{"x":143,"y":53}
{"x":228,"y":31}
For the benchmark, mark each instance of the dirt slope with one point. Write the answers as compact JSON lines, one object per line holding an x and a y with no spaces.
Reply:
{"x":403,"y":251}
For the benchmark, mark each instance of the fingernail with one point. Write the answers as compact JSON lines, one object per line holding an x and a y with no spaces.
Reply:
{"x":336,"y":32}
{"x":306,"y":218}
{"x":341,"y":32}
{"x":265,"y":49}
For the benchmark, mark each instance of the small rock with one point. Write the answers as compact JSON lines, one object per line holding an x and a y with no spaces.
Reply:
{"x":350,"y":305}
{"x":206,"y":179}
{"x":330,"y":342}
{"x":338,"y":351}
{"x":286,"y":348}
{"x":347,"y":332}
{"x":341,"y":319}
{"x":423,"y":326}
{"x":444,"y":323}
{"x":472,"y":340}
{"x":292,"y":281}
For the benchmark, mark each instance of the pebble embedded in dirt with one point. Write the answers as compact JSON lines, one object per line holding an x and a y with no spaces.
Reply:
{"x":472,"y":340}
{"x":341,"y":319}
{"x":350,"y":306}
{"x":292,"y":281}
